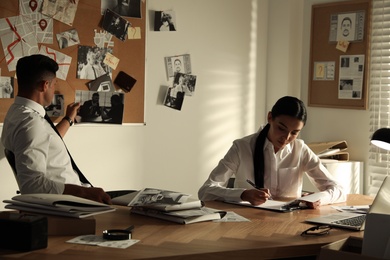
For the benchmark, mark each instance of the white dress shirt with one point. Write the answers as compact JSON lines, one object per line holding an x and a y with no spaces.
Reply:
{"x":283,"y":172}
{"x":43,"y":164}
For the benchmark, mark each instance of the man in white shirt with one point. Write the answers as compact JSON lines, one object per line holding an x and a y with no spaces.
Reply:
{"x":43,"y":164}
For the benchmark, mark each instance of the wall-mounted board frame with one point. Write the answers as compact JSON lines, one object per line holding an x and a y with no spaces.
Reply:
{"x":330,"y":83}
{"x":130,"y":52}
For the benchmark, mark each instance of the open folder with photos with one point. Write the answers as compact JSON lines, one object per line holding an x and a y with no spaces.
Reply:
{"x":168,"y":205}
{"x":159,"y":199}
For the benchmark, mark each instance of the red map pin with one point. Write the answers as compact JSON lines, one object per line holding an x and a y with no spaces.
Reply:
{"x":33,"y":5}
{"x":42,"y":24}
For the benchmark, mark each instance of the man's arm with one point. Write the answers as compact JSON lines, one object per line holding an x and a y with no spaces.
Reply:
{"x":96,"y":194}
{"x":71,"y":112}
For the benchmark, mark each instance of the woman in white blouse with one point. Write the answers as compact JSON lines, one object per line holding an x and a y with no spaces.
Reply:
{"x":275,"y":160}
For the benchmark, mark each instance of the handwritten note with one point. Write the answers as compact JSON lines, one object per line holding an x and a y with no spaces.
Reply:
{"x":111,"y":60}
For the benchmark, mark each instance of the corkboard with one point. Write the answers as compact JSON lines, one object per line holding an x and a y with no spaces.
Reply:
{"x":88,"y":18}
{"x":325,"y":93}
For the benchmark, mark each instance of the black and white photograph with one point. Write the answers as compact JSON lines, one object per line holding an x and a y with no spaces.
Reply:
{"x":178,"y":64}
{"x":102,"y":84}
{"x":56,"y":108}
{"x":150,"y":196}
{"x":115,"y":24}
{"x":174,"y":99}
{"x":344,"y":62}
{"x":164,"y":21}
{"x":346,"y":84}
{"x":6,"y":87}
{"x":90,"y":63}
{"x":184,"y":83}
{"x":68,"y":38}
{"x":127,"y":8}
{"x":100,"y":107}
{"x":348,"y":27}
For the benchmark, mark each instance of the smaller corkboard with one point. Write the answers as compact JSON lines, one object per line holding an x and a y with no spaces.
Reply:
{"x":330,"y":81}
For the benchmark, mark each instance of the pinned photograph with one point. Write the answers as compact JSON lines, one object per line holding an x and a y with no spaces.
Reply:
{"x":100,"y":107}
{"x":90,"y":62}
{"x":6,"y":87}
{"x":347,"y":27}
{"x":174,"y":98}
{"x":164,"y":21}
{"x":128,"y":8}
{"x":115,"y":24}
{"x":102,"y":84}
{"x":178,"y":64}
{"x":56,"y":108}
{"x":68,"y":38}
{"x":184,"y":83}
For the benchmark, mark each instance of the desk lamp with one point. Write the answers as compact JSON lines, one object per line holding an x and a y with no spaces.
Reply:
{"x":381,"y":138}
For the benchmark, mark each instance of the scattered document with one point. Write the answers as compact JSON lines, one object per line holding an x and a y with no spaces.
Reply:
{"x":232,"y":216}
{"x":62,"y":59}
{"x":362,"y":209}
{"x":61,"y":10}
{"x":94,"y":240}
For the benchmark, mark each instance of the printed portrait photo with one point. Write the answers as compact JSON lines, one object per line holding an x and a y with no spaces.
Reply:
{"x":90,"y":63}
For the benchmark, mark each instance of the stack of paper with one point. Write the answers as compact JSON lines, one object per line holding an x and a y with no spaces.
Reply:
{"x":168,"y":205}
{"x":57,"y":204}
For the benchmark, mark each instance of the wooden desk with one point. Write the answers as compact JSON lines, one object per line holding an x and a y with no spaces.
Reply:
{"x":268,"y":235}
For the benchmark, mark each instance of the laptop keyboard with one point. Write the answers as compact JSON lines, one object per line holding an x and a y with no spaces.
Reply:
{"x":354,"y":221}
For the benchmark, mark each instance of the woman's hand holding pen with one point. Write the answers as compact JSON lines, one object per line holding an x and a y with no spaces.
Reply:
{"x":256,"y":196}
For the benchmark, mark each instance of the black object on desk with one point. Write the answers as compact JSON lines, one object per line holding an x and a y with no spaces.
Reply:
{"x":22,"y":232}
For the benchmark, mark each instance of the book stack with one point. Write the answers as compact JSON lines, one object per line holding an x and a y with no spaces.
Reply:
{"x":168,"y":205}
{"x":335,"y":150}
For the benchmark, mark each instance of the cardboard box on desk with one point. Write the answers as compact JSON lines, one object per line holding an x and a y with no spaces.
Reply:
{"x":346,"y":249}
{"x":336,"y":150}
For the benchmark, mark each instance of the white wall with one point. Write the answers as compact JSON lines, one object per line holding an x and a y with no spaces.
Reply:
{"x":246,"y":54}
{"x":177,"y":150}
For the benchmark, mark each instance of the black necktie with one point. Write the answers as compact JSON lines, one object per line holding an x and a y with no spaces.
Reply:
{"x":81,"y":175}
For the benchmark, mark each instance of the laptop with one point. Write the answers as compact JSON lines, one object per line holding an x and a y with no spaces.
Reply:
{"x":356,"y":221}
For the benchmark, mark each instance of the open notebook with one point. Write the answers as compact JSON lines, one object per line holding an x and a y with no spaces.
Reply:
{"x":281,"y":206}
{"x":356,"y":221}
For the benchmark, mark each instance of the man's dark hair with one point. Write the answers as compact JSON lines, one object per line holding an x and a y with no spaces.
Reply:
{"x":31,"y":70}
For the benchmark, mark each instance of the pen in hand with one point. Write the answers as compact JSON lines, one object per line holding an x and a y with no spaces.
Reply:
{"x":257,"y":188}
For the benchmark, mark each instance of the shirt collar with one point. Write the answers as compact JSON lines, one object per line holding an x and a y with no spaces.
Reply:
{"x":286,"y":150}
{"x":30,"y":104}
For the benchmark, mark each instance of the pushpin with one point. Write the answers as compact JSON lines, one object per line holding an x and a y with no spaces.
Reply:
{"x":33,"y":5}
{"x":42,"y":24}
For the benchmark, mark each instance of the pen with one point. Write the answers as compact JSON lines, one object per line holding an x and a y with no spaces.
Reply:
{"x":256,"y":187}
{"x":252,"y":184}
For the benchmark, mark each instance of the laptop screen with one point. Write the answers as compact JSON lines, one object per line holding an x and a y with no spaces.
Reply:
{"x":381,"y":203}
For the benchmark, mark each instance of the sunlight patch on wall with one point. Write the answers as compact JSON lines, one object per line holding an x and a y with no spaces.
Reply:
{"x":233,"y":104}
